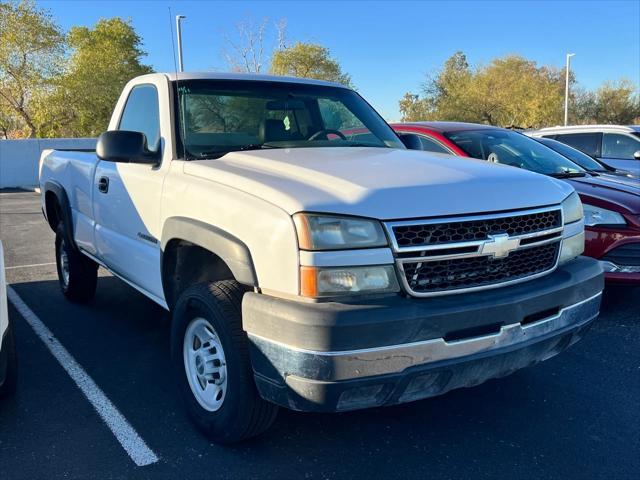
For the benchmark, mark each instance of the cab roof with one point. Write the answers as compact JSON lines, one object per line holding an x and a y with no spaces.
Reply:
{"x":173,"y":76}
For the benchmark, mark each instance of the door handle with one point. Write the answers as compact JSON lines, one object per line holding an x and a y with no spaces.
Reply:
{"x":103,"y":184}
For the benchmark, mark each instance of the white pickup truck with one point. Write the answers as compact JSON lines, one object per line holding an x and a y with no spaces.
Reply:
{"x":308,"y":258}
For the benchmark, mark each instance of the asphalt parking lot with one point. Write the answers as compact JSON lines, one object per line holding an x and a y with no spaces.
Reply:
{"x":576,"y":415}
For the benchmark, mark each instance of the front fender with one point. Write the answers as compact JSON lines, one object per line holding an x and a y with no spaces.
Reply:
{"x":230,"y":249}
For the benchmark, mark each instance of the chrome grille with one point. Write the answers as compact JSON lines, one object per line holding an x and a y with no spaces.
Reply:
{"x":411,"y":235}
{"x":454,"y":255}
{"x":445,"y":275}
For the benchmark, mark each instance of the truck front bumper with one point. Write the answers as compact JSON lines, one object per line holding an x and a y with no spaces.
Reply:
{"x":346,"y":356}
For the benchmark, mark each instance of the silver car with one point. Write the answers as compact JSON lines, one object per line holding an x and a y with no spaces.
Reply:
{"x":616,"y":145}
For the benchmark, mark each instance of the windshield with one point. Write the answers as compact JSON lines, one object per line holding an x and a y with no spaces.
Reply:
{"x":514,"y":149}
{"x":576,"y":156}
{"x":218,"y":117}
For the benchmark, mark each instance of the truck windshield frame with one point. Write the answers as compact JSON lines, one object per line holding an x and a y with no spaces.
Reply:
{"x":221,"y":116}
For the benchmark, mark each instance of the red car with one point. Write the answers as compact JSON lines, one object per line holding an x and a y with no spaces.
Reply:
{"x":611,"y":205}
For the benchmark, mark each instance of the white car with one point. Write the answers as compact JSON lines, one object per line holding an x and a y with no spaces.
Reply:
{"x":308,"y":258}
{"x":616,"y":145}
{"x":8,"y":362}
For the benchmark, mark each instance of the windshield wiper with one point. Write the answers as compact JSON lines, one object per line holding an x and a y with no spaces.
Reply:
{"x":568,"y":174}
{"x":364,"y":144}
{"x":240,"y":148}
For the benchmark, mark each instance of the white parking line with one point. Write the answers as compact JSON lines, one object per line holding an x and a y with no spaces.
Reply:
{"x":133,"y":444}
{"x":30,"y":266}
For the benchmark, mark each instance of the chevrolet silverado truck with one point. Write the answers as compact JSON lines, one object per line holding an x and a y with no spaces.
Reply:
{"x":308,"y":258}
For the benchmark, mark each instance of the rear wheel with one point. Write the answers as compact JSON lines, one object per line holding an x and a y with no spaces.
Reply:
{"x":77,"y":274}
{"x":210,"y":355}
{"x":10,"y":360}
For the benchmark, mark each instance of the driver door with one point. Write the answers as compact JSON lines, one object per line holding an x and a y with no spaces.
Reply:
{"x":127,"y":200}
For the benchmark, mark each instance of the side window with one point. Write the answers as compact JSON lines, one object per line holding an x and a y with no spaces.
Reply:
{"x":616,"y":145}
{"x":432,"y":145}
{"x":141,"y":114}
{"x":586,"y":142}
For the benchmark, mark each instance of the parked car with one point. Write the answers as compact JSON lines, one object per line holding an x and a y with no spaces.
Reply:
{"x":8,"y":358}
{"x":309,"y":268}
{"x":616,"y":145}
{"x":611,"y":205}
{"x":590,"y":164}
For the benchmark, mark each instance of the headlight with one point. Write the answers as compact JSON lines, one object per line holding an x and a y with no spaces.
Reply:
{"x":323,"y":281}
{"x":601,"y":216}
{"x":325,"y":232}
{"x":571,"y":248}
{"x":572,"y":208}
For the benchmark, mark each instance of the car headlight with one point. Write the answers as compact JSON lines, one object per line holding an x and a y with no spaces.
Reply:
{"x":327,"y":232}
{"x":601,"y":216}
{"x":331,"y":281}
{"x":572,"y":208}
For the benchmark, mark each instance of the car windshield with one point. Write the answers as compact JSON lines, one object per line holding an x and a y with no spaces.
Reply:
{"x":576,"y":156}
{"x":514,"y":149}
{"x":220,"y":116}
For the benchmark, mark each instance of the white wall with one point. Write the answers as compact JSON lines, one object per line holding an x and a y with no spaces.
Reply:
{"x":19,"y":158}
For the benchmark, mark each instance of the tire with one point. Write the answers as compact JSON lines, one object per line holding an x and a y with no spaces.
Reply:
{"x":10,"y":376}
{"x":77,"y":274}
{"x":238,"y":413}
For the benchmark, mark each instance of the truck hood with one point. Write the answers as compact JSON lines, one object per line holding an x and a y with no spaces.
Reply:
{"x":379,"y":182}
{"x":623,"y":193}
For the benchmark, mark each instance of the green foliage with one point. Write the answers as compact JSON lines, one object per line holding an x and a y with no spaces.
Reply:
{"x":510,"y":91}
{"x":614,"y":103}
{"x":102,"y":61}
{"x":52,"y":84}
{"x":31,"y":54}
{"x":308,"y":60}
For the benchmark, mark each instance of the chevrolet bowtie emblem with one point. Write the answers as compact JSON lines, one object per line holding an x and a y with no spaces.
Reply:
{"x":499,"y":246}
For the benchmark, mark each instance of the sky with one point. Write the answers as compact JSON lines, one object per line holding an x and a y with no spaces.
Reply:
{"x":389,"y":47}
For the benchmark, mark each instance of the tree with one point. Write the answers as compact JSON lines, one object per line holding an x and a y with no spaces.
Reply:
{"x":102,"y":61}
{"x":10,"y":125}
{"x":31,"y":53}
{"x":308,"y":60}
{"x":509,"y":91}
{"x":413,"y":108}
{"x":247,"y":47}
{"x":614,"y":103}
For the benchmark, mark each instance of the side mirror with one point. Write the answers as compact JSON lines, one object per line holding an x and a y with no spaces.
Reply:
{"x":125,"y":147}
{"x":411,"y":141}
{"x":636,"y":154}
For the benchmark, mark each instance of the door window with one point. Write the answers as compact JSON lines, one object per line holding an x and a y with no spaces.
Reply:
{"x":141,"y":114}
{"x":586,"y":142}
{"x":616,"y":145}
{"x":432,"y":145}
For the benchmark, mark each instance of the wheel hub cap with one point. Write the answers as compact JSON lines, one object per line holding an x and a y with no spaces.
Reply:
{"x":205,"y":364}
{"x":64,"y":263}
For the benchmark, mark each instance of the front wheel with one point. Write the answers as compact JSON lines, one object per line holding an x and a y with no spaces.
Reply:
{"x":77,"y":274}
{"x":210,"y":355}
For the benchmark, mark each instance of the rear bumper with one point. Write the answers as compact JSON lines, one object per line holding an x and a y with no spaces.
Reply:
{"x":450,"y":342}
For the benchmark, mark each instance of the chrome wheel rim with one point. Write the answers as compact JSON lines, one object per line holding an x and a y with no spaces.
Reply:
{"x":205,"y":364}
{"x":63,"y":260}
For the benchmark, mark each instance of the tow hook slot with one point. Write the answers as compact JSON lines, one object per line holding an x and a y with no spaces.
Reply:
{"x":473,"y":332}
{"x":541,"y":315}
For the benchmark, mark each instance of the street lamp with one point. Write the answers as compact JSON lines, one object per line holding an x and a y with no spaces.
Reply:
{"x":179,"y":18}
{"x":566,"y":89}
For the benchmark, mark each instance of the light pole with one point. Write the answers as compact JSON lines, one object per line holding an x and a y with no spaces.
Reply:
{"x":179,"y":34}
{"x":566,"y":89}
